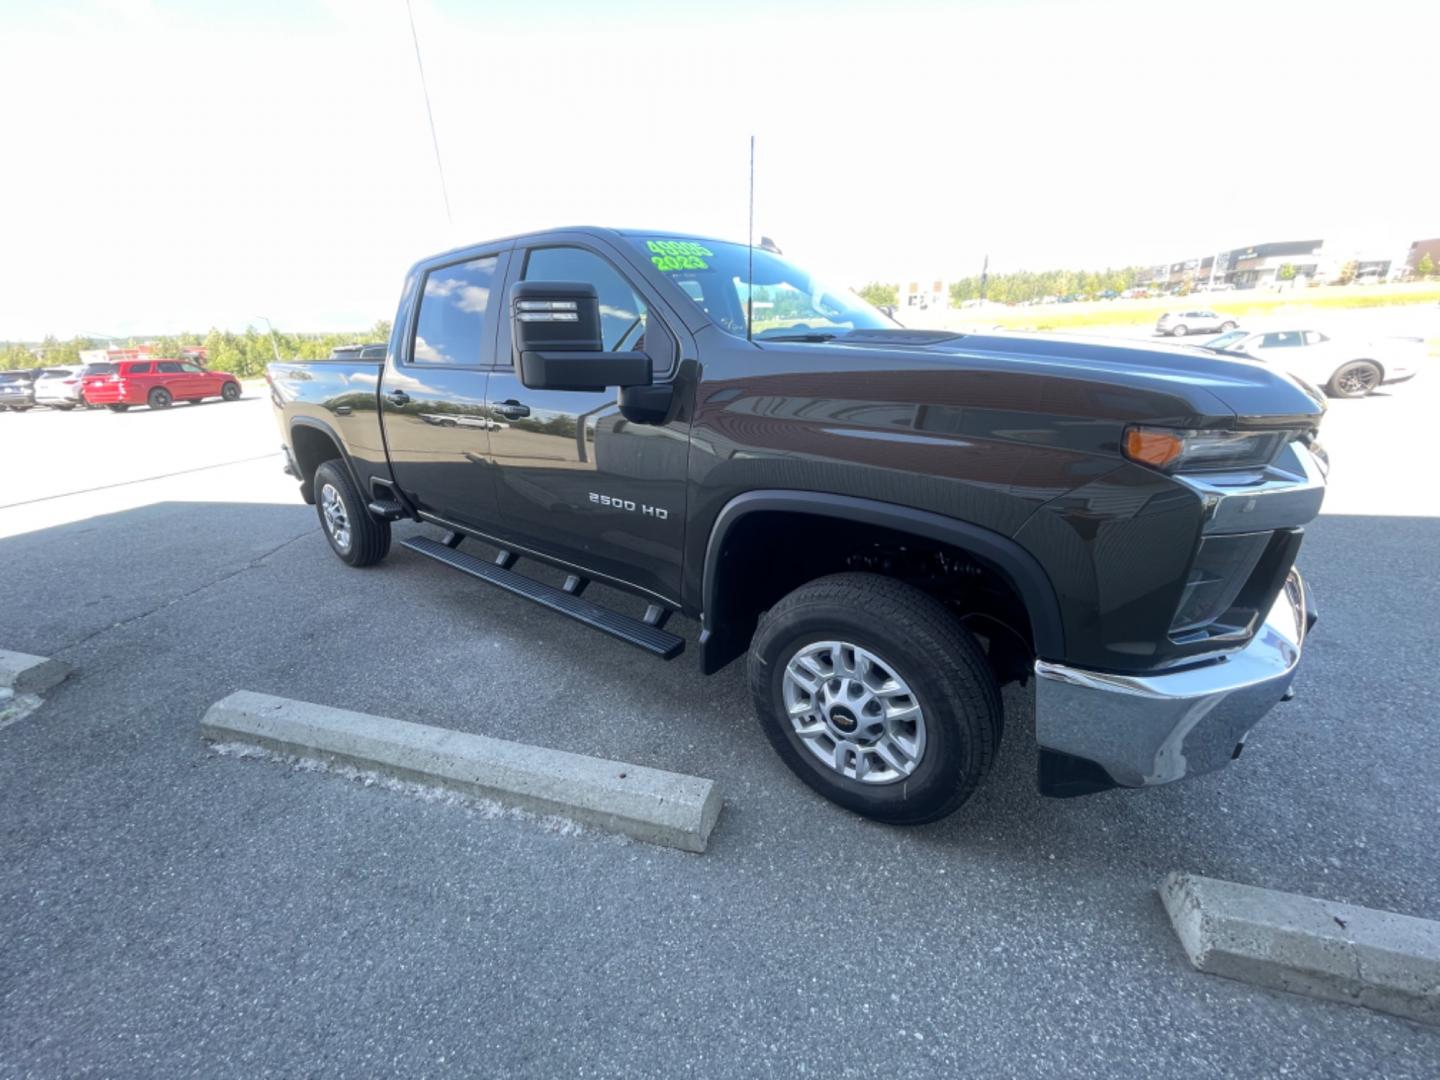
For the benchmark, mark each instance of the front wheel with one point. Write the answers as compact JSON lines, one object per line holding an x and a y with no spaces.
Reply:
{"x":355,"y":534}
{"x":230,"y":392}
{"x":1180,"y":331}
{"x":875,"y":696}
{"x":1354,"y":380}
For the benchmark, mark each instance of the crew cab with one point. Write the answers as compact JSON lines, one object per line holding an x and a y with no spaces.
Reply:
{"x":891,"y":523}
{"x":157,"y":382}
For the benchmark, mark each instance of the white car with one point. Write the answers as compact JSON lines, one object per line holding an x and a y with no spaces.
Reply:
{"x":1346,"y":368}
{"x":1197,"y":321}
{"x":58,"y":387}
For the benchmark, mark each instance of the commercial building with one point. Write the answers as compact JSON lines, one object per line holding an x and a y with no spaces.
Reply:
{"x":1418,"y":250}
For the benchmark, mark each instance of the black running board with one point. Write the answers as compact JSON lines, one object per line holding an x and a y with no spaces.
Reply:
{"x":635,"y":632}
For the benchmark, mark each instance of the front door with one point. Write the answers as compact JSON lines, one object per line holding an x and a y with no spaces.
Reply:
{"x":575,"y":479}
{"x":432,"y":394}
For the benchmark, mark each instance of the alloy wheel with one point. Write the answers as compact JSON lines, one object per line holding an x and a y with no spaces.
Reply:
{"x":853,"y":711}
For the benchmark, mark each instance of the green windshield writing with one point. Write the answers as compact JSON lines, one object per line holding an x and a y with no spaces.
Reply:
{"x":673,"y":255}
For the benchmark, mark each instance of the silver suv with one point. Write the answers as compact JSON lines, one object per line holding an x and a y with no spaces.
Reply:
{"x":1180,"y":323}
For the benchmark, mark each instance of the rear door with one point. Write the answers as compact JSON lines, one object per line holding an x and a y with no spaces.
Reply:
{"x":432,"y":395}
{"x":576,"y":480}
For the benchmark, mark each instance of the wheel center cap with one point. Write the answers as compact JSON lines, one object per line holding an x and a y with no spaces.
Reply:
{"x":843,"y":720}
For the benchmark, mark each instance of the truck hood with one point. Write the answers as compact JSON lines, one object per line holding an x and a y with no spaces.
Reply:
{"x":1246,"y":389}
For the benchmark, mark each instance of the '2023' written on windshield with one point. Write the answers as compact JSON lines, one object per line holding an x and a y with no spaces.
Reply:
{"x":672,"y":255}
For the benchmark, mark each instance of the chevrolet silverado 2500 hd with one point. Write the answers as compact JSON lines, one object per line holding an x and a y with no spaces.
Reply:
{"x":890,"y":522}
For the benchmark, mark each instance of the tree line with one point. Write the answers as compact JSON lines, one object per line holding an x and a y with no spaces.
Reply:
{"x":1025,"y":285}
{"x":244,"y":354}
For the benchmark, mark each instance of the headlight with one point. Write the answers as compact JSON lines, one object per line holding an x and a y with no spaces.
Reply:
{"x":1179,"y":450}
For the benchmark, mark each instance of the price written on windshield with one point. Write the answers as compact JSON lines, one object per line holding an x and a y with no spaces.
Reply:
{"x":672,"y":255}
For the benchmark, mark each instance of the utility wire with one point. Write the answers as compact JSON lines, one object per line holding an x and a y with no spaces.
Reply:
{"x":434,"y":139}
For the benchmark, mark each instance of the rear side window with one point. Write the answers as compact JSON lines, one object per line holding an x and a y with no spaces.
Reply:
{"x":99,"y":369}
{"x":453,"y":311}
{"x":138,"y":369}
{"x":169,"y":367}
{"x":1314,"y":337}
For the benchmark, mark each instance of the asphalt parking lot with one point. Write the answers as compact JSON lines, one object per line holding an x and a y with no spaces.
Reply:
{"x":168,"y":910}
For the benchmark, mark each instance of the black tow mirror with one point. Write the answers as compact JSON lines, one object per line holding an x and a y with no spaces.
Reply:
{"x":557,"y":332}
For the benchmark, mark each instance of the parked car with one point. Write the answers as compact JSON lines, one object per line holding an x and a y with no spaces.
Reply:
{"x":58,"y":387}
{"x":157,"y":383}
{"x":891,"y":522}
{"x":17,"y":390}
{"x":1345,"y":368}
{"x":1180,"y":323}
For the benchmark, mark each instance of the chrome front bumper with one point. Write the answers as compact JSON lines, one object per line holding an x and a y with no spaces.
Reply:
{"x":1151,"y":729}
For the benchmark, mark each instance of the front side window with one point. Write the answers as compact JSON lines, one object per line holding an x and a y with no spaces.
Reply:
{"x":787,"y":301}
{"x":453,"y":307}
{"x":192,"y":369}
{"x":622,"y":312}
{"x":1282,"y":339}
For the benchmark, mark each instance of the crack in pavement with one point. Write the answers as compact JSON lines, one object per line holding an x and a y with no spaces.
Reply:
{"x":253,"y":564}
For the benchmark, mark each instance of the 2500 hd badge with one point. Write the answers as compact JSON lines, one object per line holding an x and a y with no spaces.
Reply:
{"x":890,"y":522}
{"x":658,"y":512}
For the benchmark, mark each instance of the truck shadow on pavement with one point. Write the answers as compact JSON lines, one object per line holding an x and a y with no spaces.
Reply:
{"x":164,"y":609}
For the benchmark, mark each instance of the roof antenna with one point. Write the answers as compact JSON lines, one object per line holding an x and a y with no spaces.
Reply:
{"x":750,"y":243}
{"x":434,"y":139}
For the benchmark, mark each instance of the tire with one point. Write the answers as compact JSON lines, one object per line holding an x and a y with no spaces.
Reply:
{"x":1226,"y":327}
{"x":1179,"y":331}
{"x":910,"y":638}
{"x":117,"y":408}
{"x":357,"y":536}
{"x":1357,"y":379}
{"x":230,"y":392}
{"x":159,"y":398}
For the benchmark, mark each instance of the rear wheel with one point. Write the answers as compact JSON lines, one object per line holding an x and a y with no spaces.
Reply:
{"x":875,"y":696}
{"x":355,"y":534}
{"x":1226,"y":327}
{"x":230,"y":391}
{"x":1354,"y":380}
{"x":159,"y":398}
{"x":117,"y":408}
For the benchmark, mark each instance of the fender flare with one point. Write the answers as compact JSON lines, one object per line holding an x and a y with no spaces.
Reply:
{"x":1015,"y":563}
{"x":334,"y":436}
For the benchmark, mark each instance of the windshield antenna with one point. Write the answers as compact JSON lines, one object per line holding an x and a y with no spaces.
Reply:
{"x":750,"y":242}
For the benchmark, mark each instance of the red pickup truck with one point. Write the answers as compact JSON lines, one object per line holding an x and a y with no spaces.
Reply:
{"x":157,"y":383}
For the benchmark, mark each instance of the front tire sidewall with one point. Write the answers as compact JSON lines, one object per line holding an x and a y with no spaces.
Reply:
{"x":950,"y":761}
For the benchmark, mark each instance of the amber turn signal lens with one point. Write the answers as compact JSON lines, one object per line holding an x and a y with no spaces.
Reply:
{"x":1153,"y":446}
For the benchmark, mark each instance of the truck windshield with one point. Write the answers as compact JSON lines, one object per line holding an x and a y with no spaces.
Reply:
{"x":789,"y":303}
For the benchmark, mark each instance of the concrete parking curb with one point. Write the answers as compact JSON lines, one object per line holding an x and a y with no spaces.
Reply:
{"x":26,"y":674}
{"x":659,"y":807}
{"x":1341,"y":952}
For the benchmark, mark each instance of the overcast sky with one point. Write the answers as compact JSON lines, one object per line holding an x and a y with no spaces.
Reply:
{"x":179,"y":165}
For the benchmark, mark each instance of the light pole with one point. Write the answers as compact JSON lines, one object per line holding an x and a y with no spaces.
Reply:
{"x":273,"y":347}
